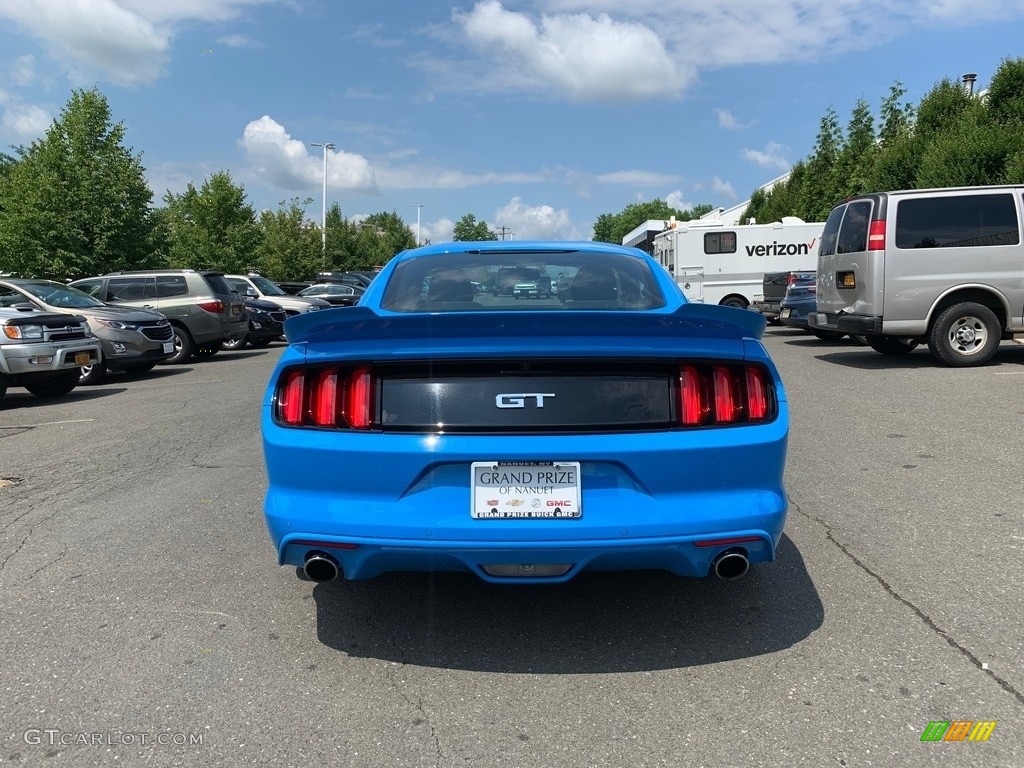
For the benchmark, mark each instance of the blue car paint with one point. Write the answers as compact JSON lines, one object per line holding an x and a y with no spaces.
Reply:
{"x":801,"y":299}
{"x":403,"y":500}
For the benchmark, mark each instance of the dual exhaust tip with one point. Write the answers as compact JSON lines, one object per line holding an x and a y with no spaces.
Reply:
{"x":728,"y":566}
{"x":320,"y":567}
{"x":731,"y":565}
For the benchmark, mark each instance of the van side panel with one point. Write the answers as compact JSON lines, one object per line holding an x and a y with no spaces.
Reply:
{"x":940,"y":240}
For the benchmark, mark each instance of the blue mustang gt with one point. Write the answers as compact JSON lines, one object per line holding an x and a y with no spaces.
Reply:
{"x":446,"y":424}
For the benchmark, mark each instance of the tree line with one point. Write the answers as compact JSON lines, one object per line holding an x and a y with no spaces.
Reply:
{"x":76,"y":203}
{"x":951,"y":138}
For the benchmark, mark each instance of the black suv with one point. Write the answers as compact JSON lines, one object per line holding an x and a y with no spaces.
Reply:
{"x":201,"y":306}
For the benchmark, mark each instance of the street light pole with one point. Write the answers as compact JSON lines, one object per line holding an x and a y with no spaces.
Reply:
{"x":418,"y":206}
{"x":323,"y":216}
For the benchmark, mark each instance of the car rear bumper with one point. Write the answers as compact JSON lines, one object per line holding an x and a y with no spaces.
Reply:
{"x":862,"y":325}
{"x":769,"y":309}
{"x":403,"y":501}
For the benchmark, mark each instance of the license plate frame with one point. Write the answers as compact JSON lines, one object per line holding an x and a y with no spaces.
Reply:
{"x":785,"y":313}
{"x":525,"y":490}
{"x":83,"y":358}
{"x":168,"y":347}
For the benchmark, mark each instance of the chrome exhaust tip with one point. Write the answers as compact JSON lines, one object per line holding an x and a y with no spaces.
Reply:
{"x":320,"y":567}
{"x":731,"y":565}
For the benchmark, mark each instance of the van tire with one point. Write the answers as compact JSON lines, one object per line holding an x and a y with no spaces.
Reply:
{"x":736,"y":302}
{"x":890,"y":345}
{"x":964,"y":335}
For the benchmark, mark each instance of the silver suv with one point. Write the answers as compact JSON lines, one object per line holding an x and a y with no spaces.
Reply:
{"x":43,"y":351}
{"x":258,"y":287}
{"x":134,"y":340}
{"x":201,"y":307}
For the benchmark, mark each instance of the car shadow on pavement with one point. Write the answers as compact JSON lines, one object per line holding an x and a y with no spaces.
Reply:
{"x":22,"y":399}
{"x":867,"y":359}
{"x":601,"y":622}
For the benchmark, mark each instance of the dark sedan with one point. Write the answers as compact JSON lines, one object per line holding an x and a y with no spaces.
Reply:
{"x":337,"y":294}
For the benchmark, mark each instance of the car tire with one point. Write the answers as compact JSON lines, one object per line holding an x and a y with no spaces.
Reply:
{"x":235,"y":344}
{"x":183,"y":346}
{"x":261,"y":342}
{"x":891,"y":345}
{"x":735,"y":302}
{"x":92,"y":374}
{"x":55,"y":386}
{"x":859,"y":340}
{"x":3,"y":387}
{"x":964,"y":335}
{"x":828,"y":335}
{"x":207,"y":351}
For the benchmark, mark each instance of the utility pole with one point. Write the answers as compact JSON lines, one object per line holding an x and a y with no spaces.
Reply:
{"x":503,"y":230}
{"x":418,"y":207}
{"x":323,"y":219}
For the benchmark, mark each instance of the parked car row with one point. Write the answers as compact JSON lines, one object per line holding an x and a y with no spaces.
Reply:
{"x":57,"y":336}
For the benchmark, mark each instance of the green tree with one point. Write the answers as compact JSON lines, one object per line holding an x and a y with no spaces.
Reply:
{"x":856,"y":160}
{"x":469,"y":229}
{"x":212,"y":227}
{"x":289,"y":247}
{"x":380,"y":236}
{"x":76,"y":202}
{"x":820,"y":190}
{"x":611,"y":228}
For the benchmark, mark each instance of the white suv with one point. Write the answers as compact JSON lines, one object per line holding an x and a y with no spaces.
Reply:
{"x":258,"y":287}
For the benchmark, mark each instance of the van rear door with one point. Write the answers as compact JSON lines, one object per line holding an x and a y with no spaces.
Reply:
{"x":851,"y":267}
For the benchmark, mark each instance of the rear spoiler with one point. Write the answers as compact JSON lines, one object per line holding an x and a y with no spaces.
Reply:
{"x":690,"y":320}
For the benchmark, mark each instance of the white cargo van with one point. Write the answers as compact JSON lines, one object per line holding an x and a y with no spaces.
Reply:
{"x":718,"y":264}
{"x":944,"y":267}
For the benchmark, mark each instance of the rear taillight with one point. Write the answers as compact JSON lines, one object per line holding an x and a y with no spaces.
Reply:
{"x":326,"y":397}
{"x":790,"y":278}
{"x":215,"y":307}
{"x":876,"y":236}
{"x":711,"y":395}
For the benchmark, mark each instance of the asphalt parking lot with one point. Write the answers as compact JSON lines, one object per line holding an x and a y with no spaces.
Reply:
{"x":145,"y":619}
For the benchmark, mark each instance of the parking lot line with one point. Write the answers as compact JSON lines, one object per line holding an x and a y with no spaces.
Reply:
{"x":45,"y":424}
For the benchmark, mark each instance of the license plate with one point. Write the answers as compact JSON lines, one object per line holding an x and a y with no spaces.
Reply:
{"x":168,"y":346}
{"x":525,"y":490}
{"x":786,"y":313}
{"x":82,"y":358}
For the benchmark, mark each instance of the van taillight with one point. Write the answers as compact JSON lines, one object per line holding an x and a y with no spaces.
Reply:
{"x":326,"y":397}
{"x":711,"y":395}
{"x":876,"y":236}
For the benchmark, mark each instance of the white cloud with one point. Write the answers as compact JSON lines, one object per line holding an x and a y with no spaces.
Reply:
{"x":23,"y":70}
{"x":125,"y":40}
{"x":97,"y":34}
{"x":289,"y":164}
{"x":727,"y":120}
{"x":25,"y":122}
{"x":723,"y":188}
{"x":440,"y":231}
{"x":238,"y":41}
{"x":677,"y":201}
{"x":424,"y":177}
{"x":541,"y":222}
{"x":638,"y":178}
{"x":585,"y":57}
{"x":770,"y":157}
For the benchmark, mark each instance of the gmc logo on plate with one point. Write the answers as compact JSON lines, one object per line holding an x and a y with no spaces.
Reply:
{"x":518,"y":400}
{"x":559,"y":503}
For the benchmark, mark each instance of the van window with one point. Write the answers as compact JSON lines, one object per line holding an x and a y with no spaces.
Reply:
{"x":853,"y":234}
{"x":957,"y":221}
{"x":720,"y":242}
{"x":831,"y":231}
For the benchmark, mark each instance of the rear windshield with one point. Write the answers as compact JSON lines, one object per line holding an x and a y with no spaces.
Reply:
{"x":485,"y":281}
{"x":218,"y":283}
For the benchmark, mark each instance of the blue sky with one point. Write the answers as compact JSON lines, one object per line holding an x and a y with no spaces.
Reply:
{"x":536,"y":115}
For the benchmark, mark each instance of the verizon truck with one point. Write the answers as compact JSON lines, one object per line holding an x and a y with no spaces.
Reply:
{"x":719,"y":264}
